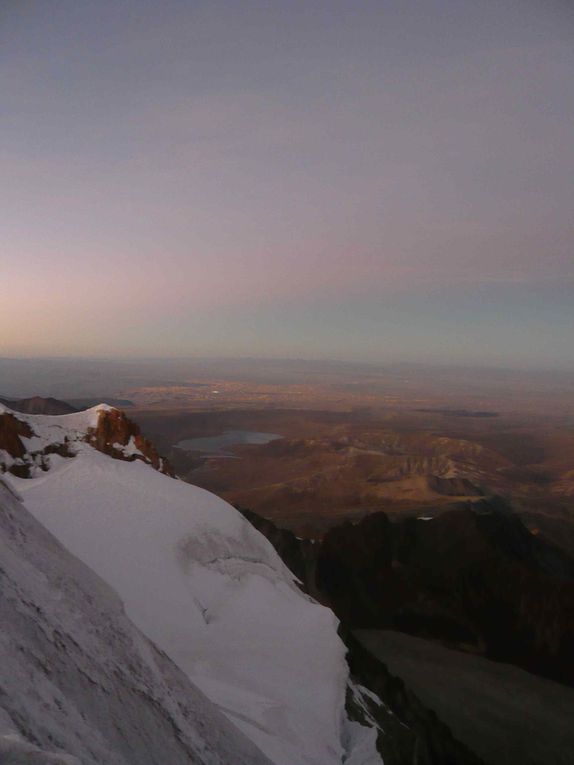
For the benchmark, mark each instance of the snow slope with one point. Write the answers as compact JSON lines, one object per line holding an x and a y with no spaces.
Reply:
{"x":210,"y":590}
{"x":79,"y":684}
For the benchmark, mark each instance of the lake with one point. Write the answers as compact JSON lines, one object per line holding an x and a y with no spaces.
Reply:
{"x":218,"y":444}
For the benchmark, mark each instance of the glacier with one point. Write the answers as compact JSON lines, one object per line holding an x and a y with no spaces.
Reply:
{"x":206,"y":588}
{"x":79,"y":683}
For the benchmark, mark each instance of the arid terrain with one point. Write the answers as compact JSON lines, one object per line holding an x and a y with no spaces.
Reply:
{"x":354,"y":439}
{"x":346,"y":450}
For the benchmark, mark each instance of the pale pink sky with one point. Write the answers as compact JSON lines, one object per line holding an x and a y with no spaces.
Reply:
{"x":360,"y":180}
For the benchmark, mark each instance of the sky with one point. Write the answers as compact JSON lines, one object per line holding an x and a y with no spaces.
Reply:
{"x":359,"y":180}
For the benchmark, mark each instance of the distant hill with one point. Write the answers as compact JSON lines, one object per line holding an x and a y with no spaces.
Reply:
{"x":39,"y":405}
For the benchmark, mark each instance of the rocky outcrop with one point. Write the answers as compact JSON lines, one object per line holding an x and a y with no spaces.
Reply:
{"x":119,"y":437}
{"x":299,"y":554}
{"x":453,"y":487}
{"x":11,"y":432}
{"x":19,"y":461}
{"x":113,"y":434}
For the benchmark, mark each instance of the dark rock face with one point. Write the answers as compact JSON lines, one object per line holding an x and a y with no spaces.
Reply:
{"x":413,"y":733}
{"x":298,"y":554}
{"x":11,"y":432}
{"x":11,"y":429}
{"x":115,"y":429}
{"x":453,"y":487}
{"x":39,"y":405}
{"x":410,"y":733}
{"x":474,"y":578}
{"x":477,"y":580}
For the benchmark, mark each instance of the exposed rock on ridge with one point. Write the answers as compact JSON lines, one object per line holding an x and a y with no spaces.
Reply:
{"x":114,"y":431}
{"x":11,"y":431}
{"x":106,"y":429}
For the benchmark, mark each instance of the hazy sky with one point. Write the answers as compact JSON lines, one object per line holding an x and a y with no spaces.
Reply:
{"x":388,"y":180}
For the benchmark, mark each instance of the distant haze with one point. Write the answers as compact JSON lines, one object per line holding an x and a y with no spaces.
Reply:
{"x":370,"y":180}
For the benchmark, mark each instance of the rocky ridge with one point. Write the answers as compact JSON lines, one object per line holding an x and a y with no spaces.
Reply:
{"x":24,"y":452}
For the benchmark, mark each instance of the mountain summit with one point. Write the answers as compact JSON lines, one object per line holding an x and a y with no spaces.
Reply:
{"x":196,"y":578}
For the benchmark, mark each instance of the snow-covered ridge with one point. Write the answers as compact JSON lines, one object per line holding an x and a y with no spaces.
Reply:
{"x":75,"y":421}
{"x":31,"y":444}
{"x":206,"y":587}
